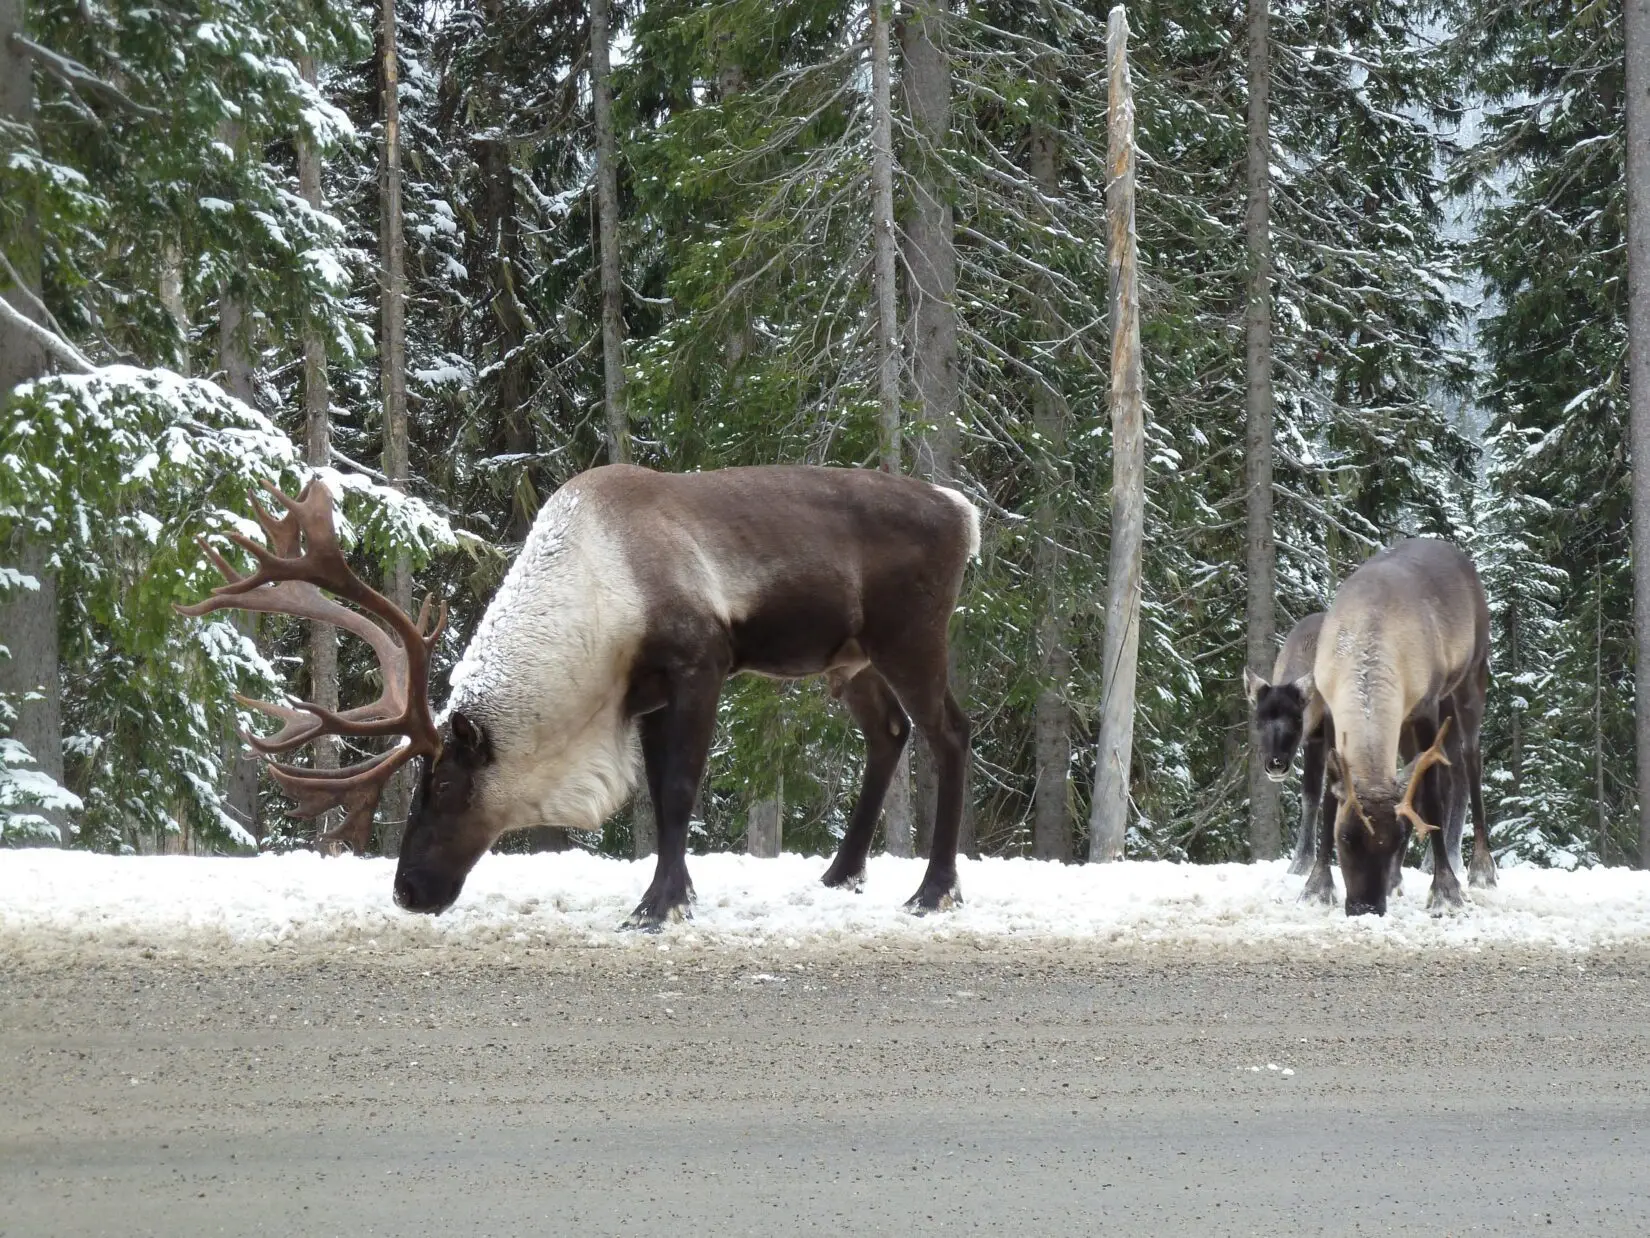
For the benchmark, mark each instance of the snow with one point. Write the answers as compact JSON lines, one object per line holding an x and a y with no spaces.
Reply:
{"x":53,"y":898}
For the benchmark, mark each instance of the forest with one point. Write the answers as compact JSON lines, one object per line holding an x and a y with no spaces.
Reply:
{"x":453,"y":253}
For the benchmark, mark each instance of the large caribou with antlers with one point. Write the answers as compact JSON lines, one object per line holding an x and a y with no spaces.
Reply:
{"x":1405,"y":645}
{"x":634,"y":597}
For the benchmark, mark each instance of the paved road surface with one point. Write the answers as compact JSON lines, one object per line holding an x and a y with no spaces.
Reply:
{"x":852,"y":1090}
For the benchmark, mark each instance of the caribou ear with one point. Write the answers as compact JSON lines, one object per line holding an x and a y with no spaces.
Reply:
{"x":1252,"y":684}
{"x":470,"y":741}
{"x":1304,"y":685}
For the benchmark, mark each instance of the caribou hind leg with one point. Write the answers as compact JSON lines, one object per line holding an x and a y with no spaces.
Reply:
{"x":675,"y":745}
{"x":920,"y":684}
{"x":1481,"y":873}
{"x":877,"y":711}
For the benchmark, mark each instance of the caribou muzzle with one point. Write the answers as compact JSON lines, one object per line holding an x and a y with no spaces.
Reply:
{"x":426,"y":892}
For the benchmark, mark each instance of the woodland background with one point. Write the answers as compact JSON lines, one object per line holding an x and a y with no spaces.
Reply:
{"x":415,"y":298}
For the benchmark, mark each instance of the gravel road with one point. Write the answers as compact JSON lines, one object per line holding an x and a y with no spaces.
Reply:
{"x":862,"y":1089}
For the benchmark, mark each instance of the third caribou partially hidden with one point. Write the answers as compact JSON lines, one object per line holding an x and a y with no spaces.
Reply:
{"x":1289,"y":715}
{"x":1405,"y":642}
{"x":635,"y":596}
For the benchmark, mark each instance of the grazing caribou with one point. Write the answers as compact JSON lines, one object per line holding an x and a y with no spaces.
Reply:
{"x":1406,"y":641}
{"x":1289,"y":715}
{"x":634,"y":597}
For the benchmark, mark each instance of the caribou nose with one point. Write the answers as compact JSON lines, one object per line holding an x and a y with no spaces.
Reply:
{"x":414,"y":892}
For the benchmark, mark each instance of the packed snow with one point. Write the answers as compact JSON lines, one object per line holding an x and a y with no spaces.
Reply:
{"x":53,"y":898}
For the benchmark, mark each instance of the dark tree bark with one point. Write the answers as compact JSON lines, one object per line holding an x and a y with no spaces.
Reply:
{"x":607,"y":212}
{"x":317,"y":394}
{"x":1108,"y":817}
{"x":931,"y":260}
{"x":1262,"y":551}
{"x":1637,"y":19}
{"x":28,"y":618}
{"x":235,"y":360}
{"x":1051,"y":835}
{"x":896,"y":810}
{"x":392,"y":361}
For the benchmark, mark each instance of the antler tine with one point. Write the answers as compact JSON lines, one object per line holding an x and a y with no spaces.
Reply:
{"x":1434,"y":755}
{"x":302,"y":558}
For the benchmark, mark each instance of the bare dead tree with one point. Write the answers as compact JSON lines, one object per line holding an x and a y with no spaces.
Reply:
{"x":1108,"y":818}
{"x":1262,"y":552}
{"x":1637,"y":17}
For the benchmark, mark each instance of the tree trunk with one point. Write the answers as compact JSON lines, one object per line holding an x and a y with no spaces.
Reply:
{"x":1051,"y":795}
{"x":765,"y":830}
{"x":1637,"y":18}
{"x":323,"y":637}
{"x":607,"y":214}
{"x":896,"y":807}
{"x":931,"y":260}
{"x":1515,"y":660}
{"x":28,"y":618}
{"x":1108,"y":817}
{"x":1262,"y":575}
{"x":235,"y":360}
{"x":392,"y":360}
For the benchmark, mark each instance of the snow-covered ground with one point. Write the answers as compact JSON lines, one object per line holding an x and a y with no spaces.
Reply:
{"x":57,"y":898}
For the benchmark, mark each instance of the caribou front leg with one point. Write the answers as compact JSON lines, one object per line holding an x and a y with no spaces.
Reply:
{"x":1320,"y":885}
{"x":1311,"y":794}
{"x":675,"y":745}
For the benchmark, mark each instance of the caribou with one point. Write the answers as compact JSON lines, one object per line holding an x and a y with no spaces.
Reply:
{"x":1288,"y":715}
{"x":634,"y":597}
{"x":1405,"y":644}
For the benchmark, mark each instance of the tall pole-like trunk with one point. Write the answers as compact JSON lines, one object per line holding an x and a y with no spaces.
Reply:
{"x":235,"y":360}
{"x":644,"y":832}
{"x":1108,"y":817}
{"x":1598,"y":716}
{"x":931,"y":259}
{"x":392,"y":362}
{"x":1051,"y":718}
{"x":896,"y":807}
{"x":317,"y":395}
{"x":607,"y":227}
{"x":1515,"y":661}
{"x":28,"y":618}
{"x":235,"y":351}
{"x":1262,"y":550}
{"x":1637,"y":20}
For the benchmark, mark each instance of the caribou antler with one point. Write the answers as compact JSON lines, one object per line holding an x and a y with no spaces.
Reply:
{"x":303,"y":558}
{"x":1432,"y":756}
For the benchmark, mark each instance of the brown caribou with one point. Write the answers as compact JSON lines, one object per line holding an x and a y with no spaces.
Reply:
{"x":634,"y":597}
{"x":1405,"y":643}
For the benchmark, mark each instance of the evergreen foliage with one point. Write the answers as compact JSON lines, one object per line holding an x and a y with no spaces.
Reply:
{"x":169,"y":194}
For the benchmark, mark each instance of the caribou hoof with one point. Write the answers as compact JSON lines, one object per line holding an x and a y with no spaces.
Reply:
{"x":937,"y":897}
{"x":1301,"y":864}
{"x":1481,"y":876}
{"x":844,"y":879}
{"x":1319,"y":889}
{"x":1445,"y":899}
{"x":659,"y":909}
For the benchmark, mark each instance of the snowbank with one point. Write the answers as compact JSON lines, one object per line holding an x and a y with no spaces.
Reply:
{"x":57,"y":898}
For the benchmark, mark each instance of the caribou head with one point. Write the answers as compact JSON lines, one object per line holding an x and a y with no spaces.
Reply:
{"x":1372,"y":828}
{"x":1280,"y":719}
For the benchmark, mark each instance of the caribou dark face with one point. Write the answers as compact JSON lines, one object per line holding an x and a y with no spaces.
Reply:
{"x":1370,"y":840}
{"x":1280,"y":721}
{"x":445,"y":836}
